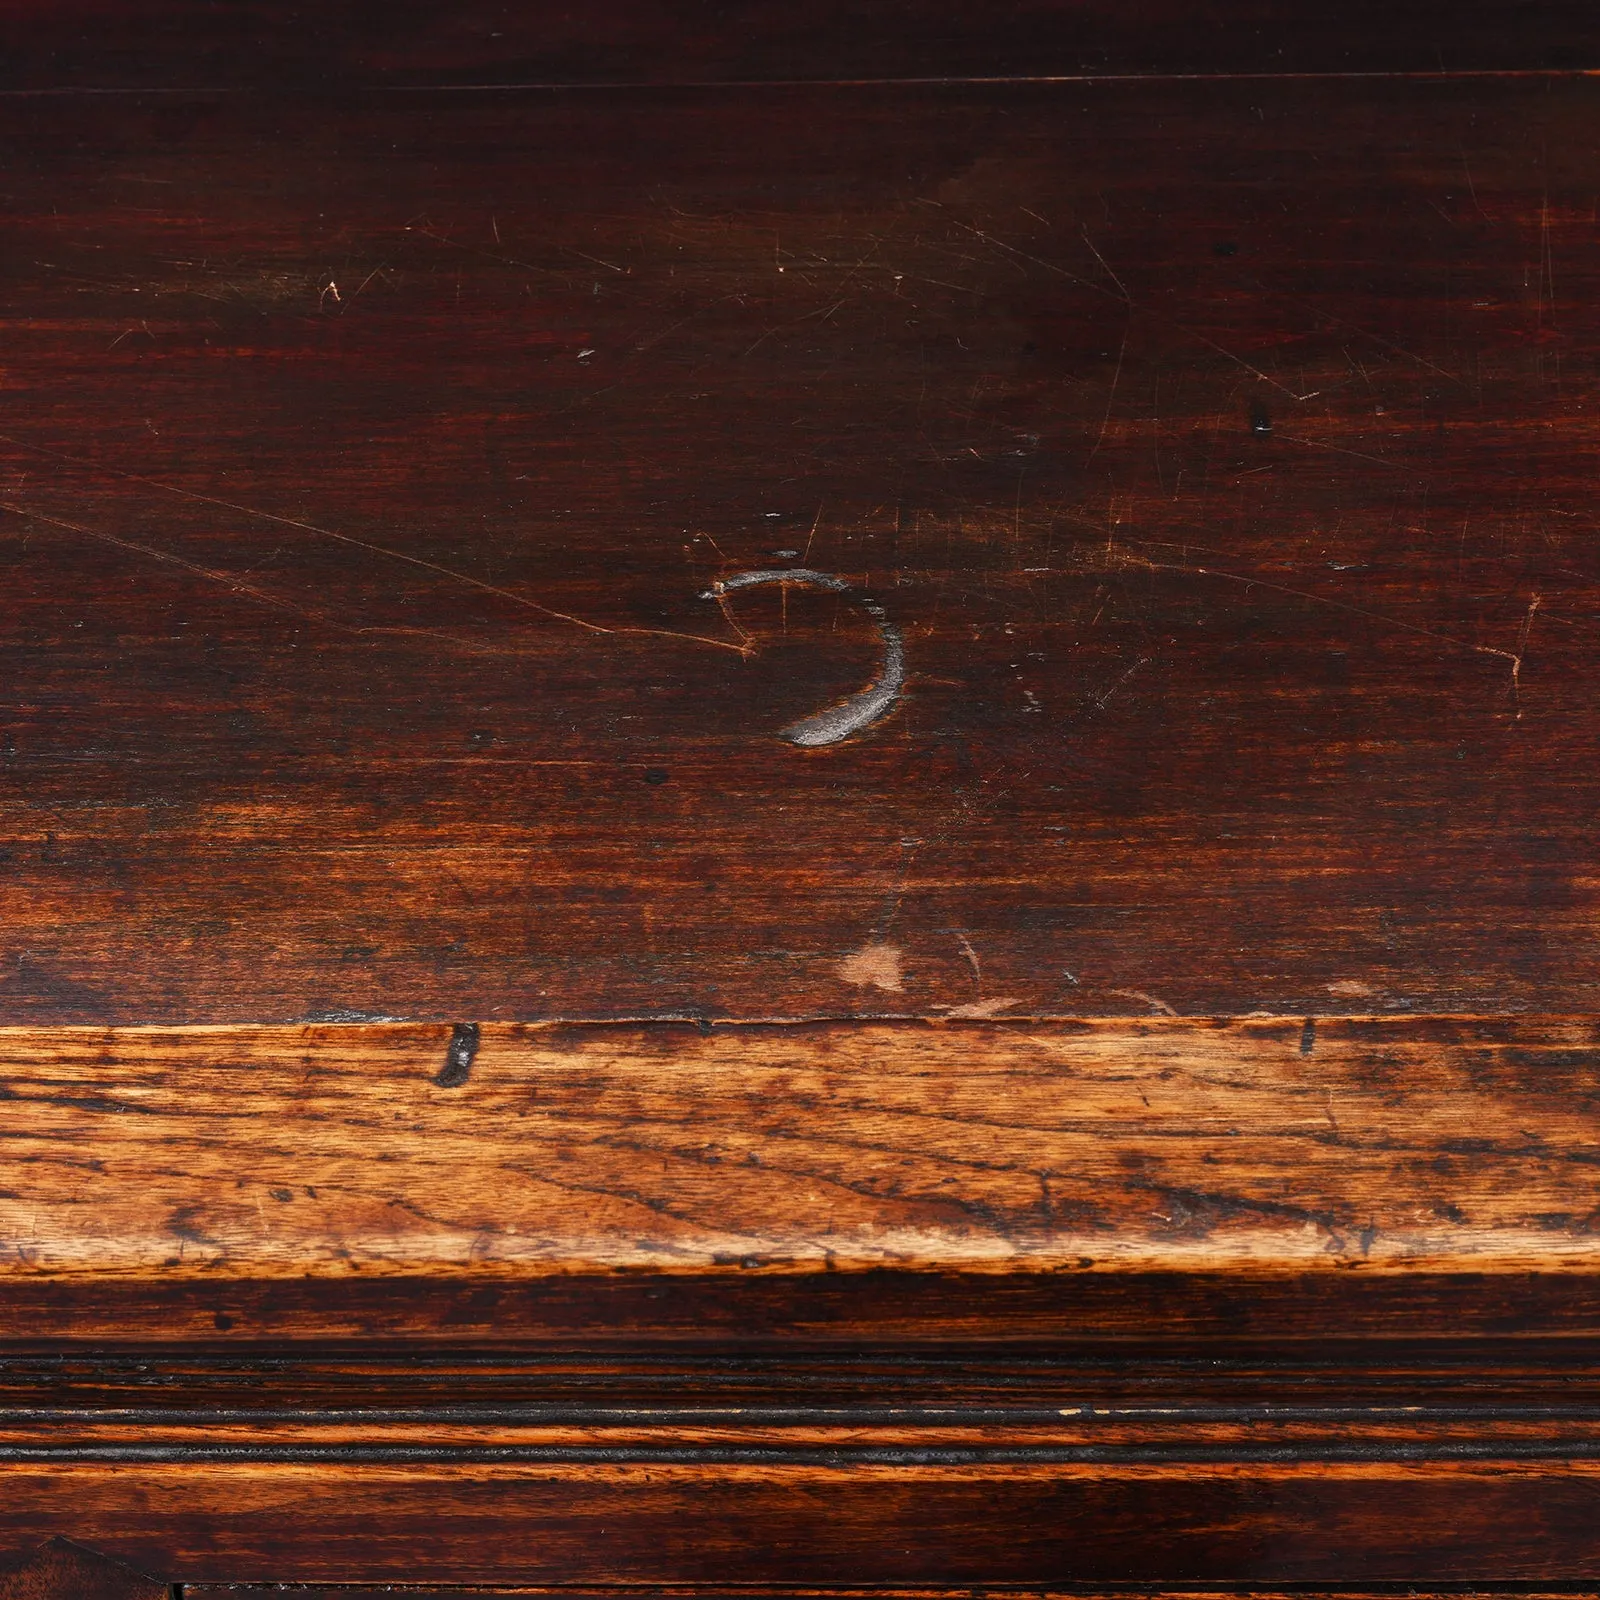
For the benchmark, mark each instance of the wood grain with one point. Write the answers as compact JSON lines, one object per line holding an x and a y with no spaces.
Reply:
{"x":62,"y":1571}
{"x":188,"y":44}
{"x":1238,"y":527}
{"x":480,"y":1106}
{"x":205,"y":1591}
{"x":1143,"y":1462}
{"x":1372,"y":1145}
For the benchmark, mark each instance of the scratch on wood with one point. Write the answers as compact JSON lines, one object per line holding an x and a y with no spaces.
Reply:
{"x":1145,"y":999}
{"x":864,"y":707}
{"x":1515,"y":656}
{"x":328,"y":533}
{"x":981,"y":1010}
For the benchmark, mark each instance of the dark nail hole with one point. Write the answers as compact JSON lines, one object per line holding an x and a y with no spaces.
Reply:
{"x":1260,"y":422}
{"x":459,"y":1057}
{"x":655,"y":775}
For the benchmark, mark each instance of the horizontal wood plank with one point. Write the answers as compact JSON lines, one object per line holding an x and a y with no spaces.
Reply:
{"x":188,"y":44}
{"x":206,"y":1591}
{"x":369,"y":468}
{"x":1374,"y":1146}
{"x":818,"y":1525}
{"x":823,"y":833}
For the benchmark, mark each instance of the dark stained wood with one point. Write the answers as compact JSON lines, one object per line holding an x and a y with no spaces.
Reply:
{"x":479,"y":1105}
{"x":1262,"y":1147}
{"x":189,"y":44}
{"x":62,"y":1571}
{"x":1199,"y":717}
{"x":782,"y":1523}
{"x":1129,"y":1463}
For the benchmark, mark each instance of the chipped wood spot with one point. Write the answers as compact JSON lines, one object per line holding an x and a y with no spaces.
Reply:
{"x":877,"y":966}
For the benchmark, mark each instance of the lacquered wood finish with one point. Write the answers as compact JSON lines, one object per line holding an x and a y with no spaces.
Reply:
{"x":1226,"y":469}
{"x":487,"y":1099}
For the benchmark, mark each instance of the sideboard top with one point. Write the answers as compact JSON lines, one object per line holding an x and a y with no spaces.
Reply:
{"x":1189,"y":486}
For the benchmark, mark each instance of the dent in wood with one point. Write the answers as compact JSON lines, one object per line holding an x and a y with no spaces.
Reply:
{"x":866,"y":706}
{"x":458,"y":1058}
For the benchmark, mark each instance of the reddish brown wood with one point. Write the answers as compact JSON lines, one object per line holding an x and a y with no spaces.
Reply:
{"x":821,"y":1525}
{"x":205,"y":1591}
{"x":1262,"y":1149}
{"x":479,"y":1106}
{"x":1198,"y":718}
{"x":63,"y":1571}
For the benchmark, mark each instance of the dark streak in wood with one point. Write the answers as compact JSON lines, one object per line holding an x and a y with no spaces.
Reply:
{"x":459,"y":1056}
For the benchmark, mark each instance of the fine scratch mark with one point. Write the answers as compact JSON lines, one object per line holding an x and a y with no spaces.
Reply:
{"x":1146,"y":999}
{"x":864,"y":707}
{"x":1515,"y":656}
{"x":1105,"y":699}
{"x":1282,"y":388}
{"x":231,"y":581}
{"x":1338,"y":449}
{"x":811,"y":538}
{"x":1107,"y":265}
{"x":1333,"y":1121}
{"x":972,"y":957}
{"x":1023,"y":255}
{"x":1472,"y":188}
{"x":227,"y":579}
{"x":1145,"y":564}
{"x":1105,"y":421}
{"x":511,"y":261}
{"x":740,"y":647}
{"x":980,"y":1010}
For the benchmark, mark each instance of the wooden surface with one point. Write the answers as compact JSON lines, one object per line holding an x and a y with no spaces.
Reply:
{"x":492,"y":1093}
{"x":1226,"y":469}
{"x":694,"y":1523}
{"x":206,"y":44}
{"x":60,"y":1569}
{"x":201,"y":1591}
{"x":1377,"y":1147}
{"x":1082,"y":1463}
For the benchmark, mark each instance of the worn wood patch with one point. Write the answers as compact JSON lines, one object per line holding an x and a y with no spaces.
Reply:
{"x":1373,"y":1146}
